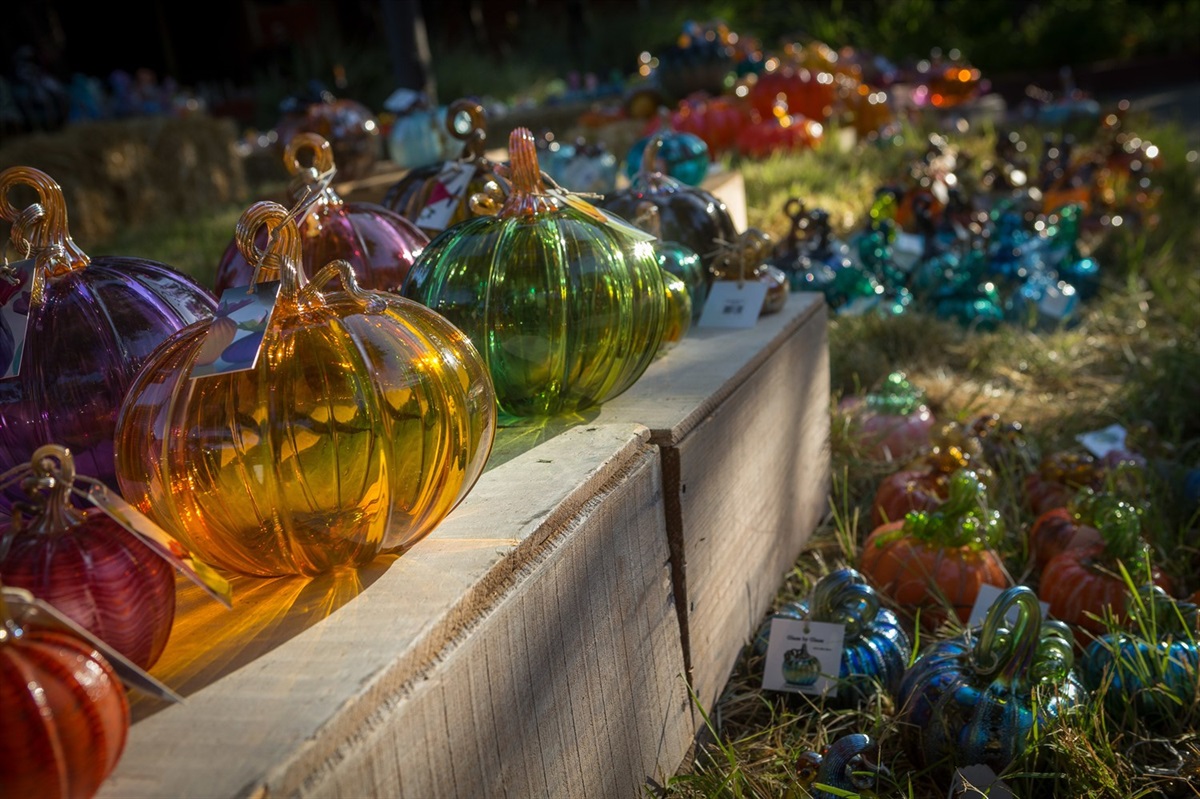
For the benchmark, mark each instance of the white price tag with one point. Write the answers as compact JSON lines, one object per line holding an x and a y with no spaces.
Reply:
{"x":1102,"y":442}
{"x":235,"y":335}
{"x":445,"y":195}
{"x":987,"y":596}
{"x":730,"y":305}
{"x":977,"y":782}
{"x":804,"y":657}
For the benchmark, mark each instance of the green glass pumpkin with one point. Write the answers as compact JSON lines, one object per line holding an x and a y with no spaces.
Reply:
{"x":364,"y":421}
{"x":566,"y":308}
{"x":977,"y":697}
{"x":1149,"y":674}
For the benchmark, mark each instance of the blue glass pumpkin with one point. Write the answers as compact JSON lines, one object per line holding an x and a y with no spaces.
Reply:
{"x":1149,"y":675}
{"x":850,"y":765}
{"x":875,"y":649}
{"x":975,"y":698}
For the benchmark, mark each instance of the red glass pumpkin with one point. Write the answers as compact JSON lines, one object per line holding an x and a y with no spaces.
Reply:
{"x":66,"y":717}
{"x":716,"y":120}
{"x":380,"y":244}
{"x":778,"y":131}
{"x":1059,"y":477}
{"x":810,"y":94}
{"x":88,"y":566}
{"x":924,"y":488}
{"x":92,"y":324}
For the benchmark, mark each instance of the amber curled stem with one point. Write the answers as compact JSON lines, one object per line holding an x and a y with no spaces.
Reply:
{"x":528,"y":195}
{"x":50,"y":232}
{"x":282,"y":255}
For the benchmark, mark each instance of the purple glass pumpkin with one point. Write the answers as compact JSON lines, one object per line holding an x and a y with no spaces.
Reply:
{"x":92,"y":323}
{"x":86,"y":565}
{"x":380,"y":244}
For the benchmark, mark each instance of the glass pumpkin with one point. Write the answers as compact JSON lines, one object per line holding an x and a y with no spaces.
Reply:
{"x":875,"y":649}
{"x":66,"y":717}
{"x":745,"y":260}
{"x":92,"y":324}
{"x":976,"y":698}
{"x":929,"y":559}
{"x":891,"y":424}
{"x":88,"y":566}
{"x":419,"y":138}
{"x":679,"y":311}
{"x":379,"y":244}
{"x":348,"y":125}
{"x":1148,"y":675}
{"x":688,"y":215}
{"x":423,"y":186}
{"x":676,"y":259}
{"x":850,"y":765}
{"x":582,"y":167}
{"x":365,"y":420}
{"x":568,"y":312}
{"x":684,"y":156}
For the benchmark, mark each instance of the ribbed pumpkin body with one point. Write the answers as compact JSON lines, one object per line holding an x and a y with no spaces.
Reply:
{"x":1154,"y":683}
{"x":685,"y":264}
{"x":364,"y":421}
{"x":356,"y":431}
{"x":688,"y":215}
{"x":566,"y":312}
{"x":379,"y":243}
{"x":103,"y":578}
{"x":90,"y":329}
{"x":65,"y":717}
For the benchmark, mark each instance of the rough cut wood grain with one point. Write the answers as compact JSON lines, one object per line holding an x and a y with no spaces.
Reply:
{"x":551,"y":579}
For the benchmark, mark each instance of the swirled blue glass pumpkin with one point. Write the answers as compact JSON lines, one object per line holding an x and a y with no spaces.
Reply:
{"x":849,"y":764}
{"x":567,"y":311}
{"x":976,"y":698}
{"x":1149,"y":674}
{"x":875,"y":648}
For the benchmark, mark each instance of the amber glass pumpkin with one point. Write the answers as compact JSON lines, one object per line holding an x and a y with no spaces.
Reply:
{"x":745,"y":260}
{"x":86,"y":565}
{"x":380,"y":244}
{"x":363,"y":423}
{"x":689,"y":215}
{"x":92,"y":324}
{"x":567,"y":310}
{"x":423,"y":186}
{"x":679,"y":311}
{"x":931,"y":560}
{"x":65,"y":713}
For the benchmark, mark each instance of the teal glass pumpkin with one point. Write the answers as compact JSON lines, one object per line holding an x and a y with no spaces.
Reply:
{"x":875,"y":649}
{"x":1150,"y":674}
{"x":683,"y":156}
{"x":566,"y":308}
{"x":850,"y":765}
{"x":676,"y":259}
{"x":800,"y":668}
{"x":976,"y":698}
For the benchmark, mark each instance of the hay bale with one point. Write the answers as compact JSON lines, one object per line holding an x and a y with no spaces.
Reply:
{"x":127,"y":173}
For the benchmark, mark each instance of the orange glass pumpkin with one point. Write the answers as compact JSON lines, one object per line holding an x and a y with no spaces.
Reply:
{"x":924,"y":488}
{"x":65,"y":713}
{"x":380,"y":244}
{"x":927,"y":561}
{"x":365,"y":420}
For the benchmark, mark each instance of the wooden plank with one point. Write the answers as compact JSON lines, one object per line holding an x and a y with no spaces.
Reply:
{"x":284,"y":721}
{"x":571,"y":686}
{"x":752,"y":482}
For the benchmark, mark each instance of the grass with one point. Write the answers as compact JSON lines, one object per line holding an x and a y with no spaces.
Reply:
{"x":1133,"y":358}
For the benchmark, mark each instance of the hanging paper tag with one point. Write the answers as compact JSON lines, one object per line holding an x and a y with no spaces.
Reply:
{"x":30,"y":612}
{"x":977,"y":782}
{"x":448,"y":189}
{"x":235,"y":337}
{"x":159,"y":540}
{"x":731,"y":305}
{"x":1102,"y":442}
{"x":906,"y":250}
{"x":611,"y":221}
{"x":804,"y":657}
{"x":987,"y":596}
{"x":1057,"y":304}
{"x":15,"y":282}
